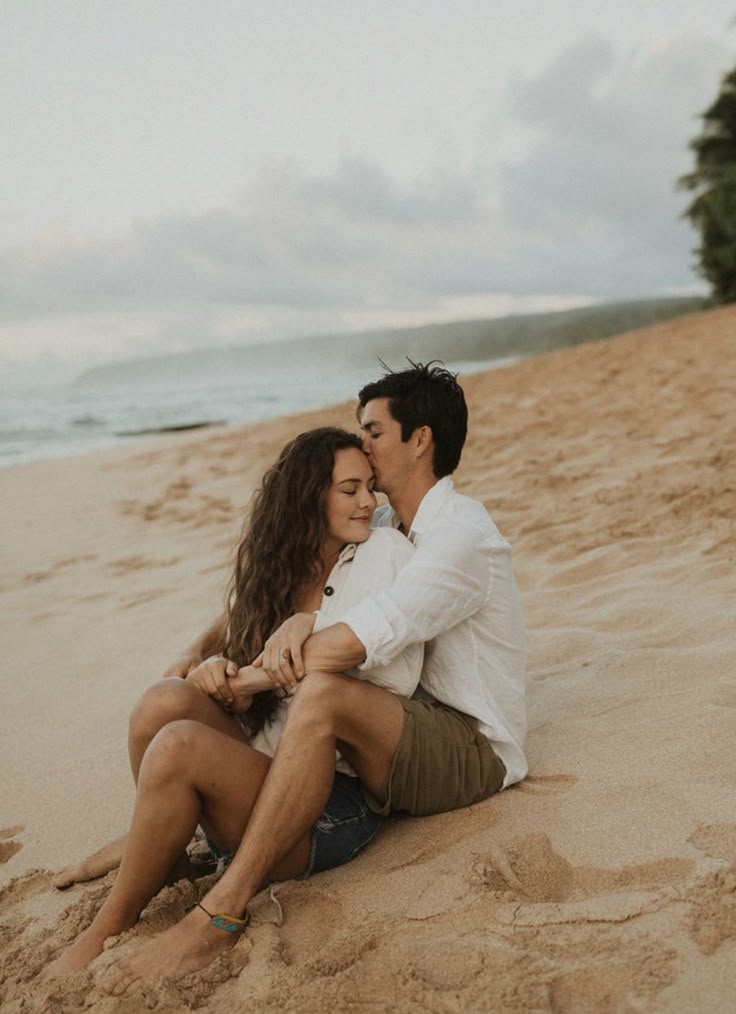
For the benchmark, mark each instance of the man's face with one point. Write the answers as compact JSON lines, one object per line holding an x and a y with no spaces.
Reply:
{"x":390,"y":458}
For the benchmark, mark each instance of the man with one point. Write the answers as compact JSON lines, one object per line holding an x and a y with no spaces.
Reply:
{"x":458,"y":745}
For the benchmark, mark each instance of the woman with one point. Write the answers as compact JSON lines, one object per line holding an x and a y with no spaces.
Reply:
{"x":200,"y":746}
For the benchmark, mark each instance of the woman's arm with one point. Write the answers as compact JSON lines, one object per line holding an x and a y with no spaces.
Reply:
{"x":228,"y":686}
{"x":250,"y":680}
{"x":209,"y":643}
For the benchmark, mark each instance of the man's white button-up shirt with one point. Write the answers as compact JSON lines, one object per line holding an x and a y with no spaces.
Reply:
{"x":363,"y":569}
{"x":458,"y":593}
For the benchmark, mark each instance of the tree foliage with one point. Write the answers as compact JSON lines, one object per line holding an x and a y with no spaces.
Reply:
{"x":713,"y":209}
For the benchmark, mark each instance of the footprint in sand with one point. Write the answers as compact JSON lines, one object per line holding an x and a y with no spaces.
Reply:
{"x":58,"y":568}
{"x":531,"y":870}
{"x":343,"y":952}
{"x":717,"y":841}
{"x":26,"y":886}
{"x":8,"y":847}
{"x":713,"y":912}
{"x":143,"y":598}
{"x":620,"y":982}
{"x":125,"y":565}
{"x":176,"y":506}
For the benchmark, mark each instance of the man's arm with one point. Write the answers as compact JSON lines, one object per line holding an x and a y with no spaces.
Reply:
{"x":293,"y":650}
{"x":333,"y":649}
{"x":445,"y":581}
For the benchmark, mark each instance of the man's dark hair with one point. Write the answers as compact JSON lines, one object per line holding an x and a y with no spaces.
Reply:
{"x":425,"y":395}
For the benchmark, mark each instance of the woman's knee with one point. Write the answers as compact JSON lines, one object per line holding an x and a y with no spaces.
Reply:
{"x":171,"y":750}
{"x":167,"y":701}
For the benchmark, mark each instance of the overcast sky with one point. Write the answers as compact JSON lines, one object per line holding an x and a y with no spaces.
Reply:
{"x":176,"y":174}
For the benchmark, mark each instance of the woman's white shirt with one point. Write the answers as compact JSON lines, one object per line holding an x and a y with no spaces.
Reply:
{"x":364,"y":568}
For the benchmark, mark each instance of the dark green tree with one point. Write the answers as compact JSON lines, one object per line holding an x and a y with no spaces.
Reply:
{"x":713,"y":210}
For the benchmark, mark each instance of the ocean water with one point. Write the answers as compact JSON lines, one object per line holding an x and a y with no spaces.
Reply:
{"x":78,"y":417}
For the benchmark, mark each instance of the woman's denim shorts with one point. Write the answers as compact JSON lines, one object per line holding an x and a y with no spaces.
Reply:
{"x":345,"y":826}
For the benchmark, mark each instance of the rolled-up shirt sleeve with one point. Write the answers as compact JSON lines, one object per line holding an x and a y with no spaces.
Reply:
{"x":445,"y":581}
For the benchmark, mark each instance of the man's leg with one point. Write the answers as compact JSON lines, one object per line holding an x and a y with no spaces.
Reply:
{"x":190,"y":774}
{"x":367,"y":722}
{"x":167,"y":701}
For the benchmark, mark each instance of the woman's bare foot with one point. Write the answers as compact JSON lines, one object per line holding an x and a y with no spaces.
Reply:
{"x":97,"y":865}
{"x":78,"y":873}
{"x":192,"y":944}
{"x":85,"y":948}
{"x":109,"y":857}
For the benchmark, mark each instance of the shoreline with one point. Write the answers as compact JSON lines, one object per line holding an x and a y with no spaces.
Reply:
{"x":107,"y":419}
{"x":608,"y":466}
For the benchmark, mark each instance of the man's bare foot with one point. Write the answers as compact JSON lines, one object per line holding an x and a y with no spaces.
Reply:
{"x":84,"y":949}
{"x":187,"y":947}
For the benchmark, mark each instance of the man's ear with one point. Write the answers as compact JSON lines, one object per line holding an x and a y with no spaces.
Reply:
{"x":424,"y":440}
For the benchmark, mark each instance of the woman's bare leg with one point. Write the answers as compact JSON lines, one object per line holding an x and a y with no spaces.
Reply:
{"x":166,"y":701}
{"x":190,"y":774}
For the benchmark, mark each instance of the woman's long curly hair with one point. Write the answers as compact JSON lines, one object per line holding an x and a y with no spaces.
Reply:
{"x":280,"y":553}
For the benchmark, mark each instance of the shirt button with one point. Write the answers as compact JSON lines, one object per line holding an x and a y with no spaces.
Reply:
{"x":329,"y":590}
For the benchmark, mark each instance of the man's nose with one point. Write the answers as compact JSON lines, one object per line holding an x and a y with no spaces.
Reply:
{"x":366,"y":443}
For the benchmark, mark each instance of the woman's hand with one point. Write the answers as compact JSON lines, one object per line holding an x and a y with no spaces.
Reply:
{"x":281,"y":659}
{"x":241,"y":695}
{"x":211,"y":676}
{"x":183,"y":666}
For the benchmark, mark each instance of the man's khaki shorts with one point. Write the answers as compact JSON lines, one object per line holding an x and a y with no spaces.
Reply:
{"x":442,"y":762}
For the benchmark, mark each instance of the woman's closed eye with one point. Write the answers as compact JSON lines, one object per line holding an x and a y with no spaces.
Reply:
{"x":355,"y":492}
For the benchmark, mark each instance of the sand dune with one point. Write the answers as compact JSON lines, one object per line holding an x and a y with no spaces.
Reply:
{"x":605,"y":882}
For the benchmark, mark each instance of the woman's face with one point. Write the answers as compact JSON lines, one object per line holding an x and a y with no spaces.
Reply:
{"x":350,"y":499}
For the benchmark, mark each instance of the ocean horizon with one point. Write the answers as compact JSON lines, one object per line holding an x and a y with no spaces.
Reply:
{"x":116,"y":402}
{"x":122,"y":403}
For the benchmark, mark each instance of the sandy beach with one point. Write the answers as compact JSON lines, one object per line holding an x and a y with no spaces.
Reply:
{"x":605,"y":882}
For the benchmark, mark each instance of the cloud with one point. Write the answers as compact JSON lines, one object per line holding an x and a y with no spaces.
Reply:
{"x":587,"y":206}
{"x":292,"y":240}
{"x":361,"y":191}
{"x":597,"y":188}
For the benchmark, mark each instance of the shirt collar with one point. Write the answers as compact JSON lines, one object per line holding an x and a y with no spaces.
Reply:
{"x":346,"y":555}
{"x":347,"y":552}
{"x":431,"y":504}
{"x":429,"y":507}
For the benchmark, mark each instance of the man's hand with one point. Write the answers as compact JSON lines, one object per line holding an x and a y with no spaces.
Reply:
{"x":281,"y":658}
{"x":211,"y":676}
{"x":183,"y":666}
